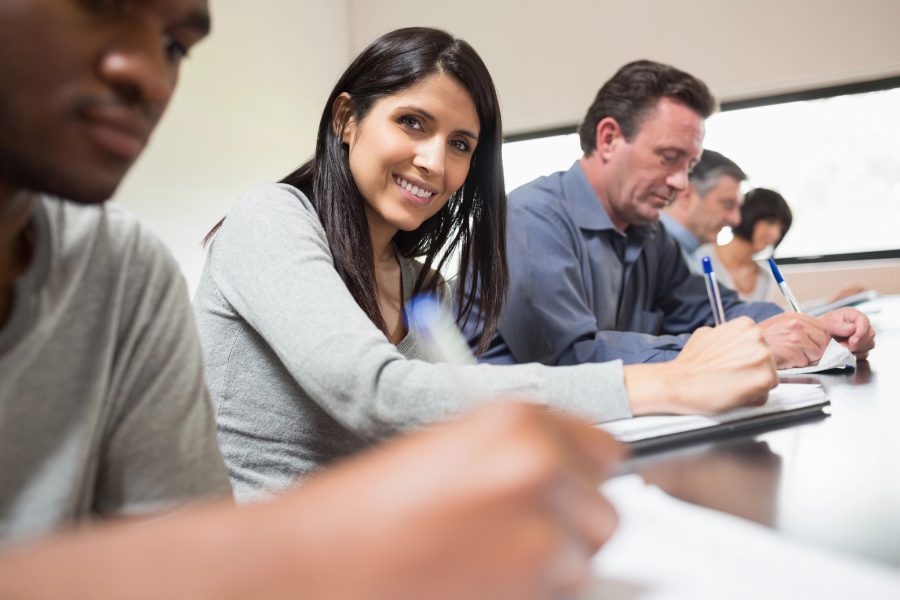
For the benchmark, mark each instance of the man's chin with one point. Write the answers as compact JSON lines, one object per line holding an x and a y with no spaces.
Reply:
{"x":650,"y":216}
{"x":81,"y":190}
{"x":84,"y":184}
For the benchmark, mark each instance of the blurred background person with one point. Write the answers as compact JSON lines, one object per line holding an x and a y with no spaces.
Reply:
{"x":711,"y":201}
{"x":765,"y":218}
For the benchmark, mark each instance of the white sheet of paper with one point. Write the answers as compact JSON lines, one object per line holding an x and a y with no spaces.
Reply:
{"x":817,"y":310}
{"x":785,"y":396}
{"x":666,"y":549}
{"x":834,"y":357}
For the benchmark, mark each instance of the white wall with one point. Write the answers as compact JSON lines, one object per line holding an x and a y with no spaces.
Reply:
{"x":250,"y":98}
{"x":549,"y":57}
{"x":246,"y":111}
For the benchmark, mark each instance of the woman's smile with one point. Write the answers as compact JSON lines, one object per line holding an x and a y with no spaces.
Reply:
{"x":415,"y":191}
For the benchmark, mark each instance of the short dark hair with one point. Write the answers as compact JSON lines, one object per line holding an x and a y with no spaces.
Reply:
{"x":634,"y":90}
{"x":711,"y":166}
{"x":761,"y":205}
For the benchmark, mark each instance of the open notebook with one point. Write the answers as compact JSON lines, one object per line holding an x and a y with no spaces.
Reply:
{"x":788,"y":401}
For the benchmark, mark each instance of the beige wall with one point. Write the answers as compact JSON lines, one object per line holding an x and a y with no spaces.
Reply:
{"x":824,"y":279}
{"x":248,"y":105}
{"x":246,"y":111}
{"x":549,"y":57}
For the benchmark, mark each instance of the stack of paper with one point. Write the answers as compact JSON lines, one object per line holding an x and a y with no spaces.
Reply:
{"x":787,"y":401}
{"x":834,"y":357}
{"x":666,"y":549}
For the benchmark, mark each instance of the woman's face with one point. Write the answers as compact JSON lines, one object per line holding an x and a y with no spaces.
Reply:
{"x":412,"y":151}
{"x":765,"y":233}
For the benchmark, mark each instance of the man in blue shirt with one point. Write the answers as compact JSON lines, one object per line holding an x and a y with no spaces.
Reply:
{"x":712,"y":200}
{"x":595,"y":277}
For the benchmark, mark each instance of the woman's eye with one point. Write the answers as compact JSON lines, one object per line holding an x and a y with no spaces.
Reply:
{"x":410,"y":122}
{"x":461,"y":145}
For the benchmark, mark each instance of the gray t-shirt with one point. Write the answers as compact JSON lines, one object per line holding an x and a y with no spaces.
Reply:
{"x":103,"y":408}
{"x":299,"y":374}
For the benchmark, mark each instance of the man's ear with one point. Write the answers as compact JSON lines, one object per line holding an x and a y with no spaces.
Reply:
{"x":342,"y":122}
{"x":609,"y":135}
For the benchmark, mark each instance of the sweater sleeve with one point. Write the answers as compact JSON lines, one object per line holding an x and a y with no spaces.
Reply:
{"x":271,"y":262}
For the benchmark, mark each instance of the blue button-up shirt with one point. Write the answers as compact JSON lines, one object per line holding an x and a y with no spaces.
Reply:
{"x":580,"y":291}
{"x":687,"y":241}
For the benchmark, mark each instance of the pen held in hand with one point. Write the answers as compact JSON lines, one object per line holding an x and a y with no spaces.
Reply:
{"x":783,"y":286}
{"x":440,"y":339}
{"x":712,"y":290}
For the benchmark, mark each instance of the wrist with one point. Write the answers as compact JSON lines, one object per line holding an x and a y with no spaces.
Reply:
{"x":651,"y":388}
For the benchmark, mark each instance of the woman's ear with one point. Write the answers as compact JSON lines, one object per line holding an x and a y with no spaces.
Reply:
{"x":342,"y":123}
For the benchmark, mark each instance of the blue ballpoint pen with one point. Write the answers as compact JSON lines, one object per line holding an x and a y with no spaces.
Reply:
{"x":441,"y":340}
{"x":783,"y":286}
{"x":712,"y":289}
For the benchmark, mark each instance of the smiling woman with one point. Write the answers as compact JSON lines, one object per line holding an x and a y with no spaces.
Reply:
{"x":301,"y":302}
{"x":408,"y":157}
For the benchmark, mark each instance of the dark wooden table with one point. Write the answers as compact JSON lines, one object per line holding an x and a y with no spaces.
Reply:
{"x":832,"y":482}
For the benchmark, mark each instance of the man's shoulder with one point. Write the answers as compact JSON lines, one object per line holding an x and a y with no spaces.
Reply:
{"x":546,"y":189}
{"x":108,"y":248}
{"x":543,"y":198}
{"x":106,"y":227}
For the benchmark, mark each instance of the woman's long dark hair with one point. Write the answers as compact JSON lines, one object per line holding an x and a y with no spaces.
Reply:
{"x":473,"y":222}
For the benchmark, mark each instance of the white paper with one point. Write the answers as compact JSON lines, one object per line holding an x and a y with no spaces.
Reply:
{"x":817,"y":310}
{"x":786,"y":396}
{"x":666,"y":549}
{"x":834,"y":357}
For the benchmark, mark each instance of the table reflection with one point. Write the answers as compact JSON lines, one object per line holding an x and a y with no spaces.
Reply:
{"x":740,"y":477}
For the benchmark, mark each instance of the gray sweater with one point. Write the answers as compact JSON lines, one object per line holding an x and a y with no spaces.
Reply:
{"x":301,"y":377}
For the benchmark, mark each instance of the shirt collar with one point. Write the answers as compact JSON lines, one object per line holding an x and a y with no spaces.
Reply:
{"x":582,"y":201}
{"x":687,"y":240}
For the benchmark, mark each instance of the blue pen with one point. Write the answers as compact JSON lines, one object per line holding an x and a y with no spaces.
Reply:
{"x":783,"y":286}
{"x":712,"y":290}
{"x":441,"y":341}
{"x":436,"y":332}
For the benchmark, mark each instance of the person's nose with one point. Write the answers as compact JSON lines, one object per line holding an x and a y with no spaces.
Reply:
{"x":430,"y":156}
{"x":678,"y":180}
{"x":138,"y":65}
